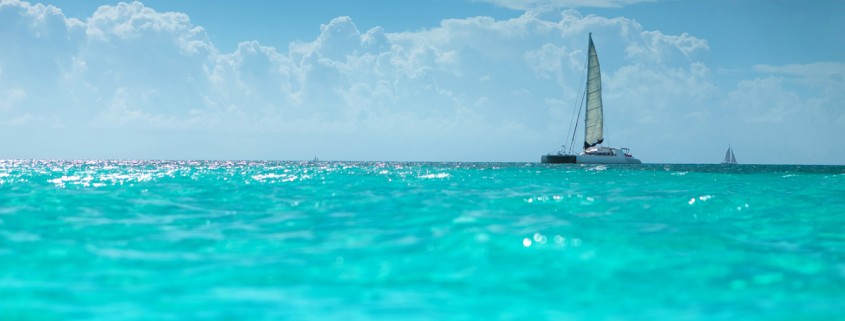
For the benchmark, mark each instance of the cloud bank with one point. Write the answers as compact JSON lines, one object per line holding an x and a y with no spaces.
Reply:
{"x":132,"y":82}
{"x":554,"y":4}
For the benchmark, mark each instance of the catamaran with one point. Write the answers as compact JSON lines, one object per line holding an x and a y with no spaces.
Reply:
{"x":730,"y":158}
{"x":593,"y":152}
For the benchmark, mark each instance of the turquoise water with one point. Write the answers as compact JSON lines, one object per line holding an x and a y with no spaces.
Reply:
{"x":148,"y":240}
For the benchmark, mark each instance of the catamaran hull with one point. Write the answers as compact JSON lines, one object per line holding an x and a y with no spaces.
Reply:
{"x":558,"y":159}
{"x":588,"y":159}
{"x":602,"y":159}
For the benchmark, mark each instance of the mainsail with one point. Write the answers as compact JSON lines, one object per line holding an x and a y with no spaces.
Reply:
{"x":594,"y":119}
{"x":730,"y":158}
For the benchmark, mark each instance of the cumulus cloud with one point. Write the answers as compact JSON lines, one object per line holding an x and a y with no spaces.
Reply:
{"x":469,"y":89}
{"x":550,"y":4}
{"x":659,"y":48}
{"x":764,"y":100}
{"x":825,"y":77}
{"x":38,"y":44}
{"x":797,"y":89}
{"x":770,"y":116}
{"x":8,"y":97}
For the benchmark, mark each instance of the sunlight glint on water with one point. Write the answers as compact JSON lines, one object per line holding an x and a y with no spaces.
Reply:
{"x":141,"y":240}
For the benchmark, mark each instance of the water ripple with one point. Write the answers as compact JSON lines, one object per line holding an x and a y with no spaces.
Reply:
{"x":217,"y":240}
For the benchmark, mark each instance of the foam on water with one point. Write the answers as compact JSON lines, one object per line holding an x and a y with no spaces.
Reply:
{"x":162,"y":240}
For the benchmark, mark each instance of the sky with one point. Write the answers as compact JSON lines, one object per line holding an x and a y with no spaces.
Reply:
{"x":427,"y":80}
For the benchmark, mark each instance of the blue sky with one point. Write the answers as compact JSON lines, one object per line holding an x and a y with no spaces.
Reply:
{"x":436,"y":80}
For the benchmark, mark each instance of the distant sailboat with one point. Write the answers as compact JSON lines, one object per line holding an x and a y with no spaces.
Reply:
{"x":730,"y":158}
{"x":594,"y":123}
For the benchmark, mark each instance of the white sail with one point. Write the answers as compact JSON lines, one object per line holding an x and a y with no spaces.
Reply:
{"x":594,"y":118}
{"x":594,"y":126}
{"x":730,"y":158}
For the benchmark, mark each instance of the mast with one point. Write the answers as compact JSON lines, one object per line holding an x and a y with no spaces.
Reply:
{"x":594,"y":118}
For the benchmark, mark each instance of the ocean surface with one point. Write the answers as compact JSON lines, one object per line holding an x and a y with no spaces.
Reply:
{"x":206,"y":240}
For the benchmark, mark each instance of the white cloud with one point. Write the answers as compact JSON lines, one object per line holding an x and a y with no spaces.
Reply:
{"x":658,"y":47}
{"x":799,"y":88}
{"x":254,"y":76}
{"x":771,"y":118}
{"x":547,"y":60}
{"x":128,"y":21}
{"x":38,"y":43}
{"x":9,"y":97}
{"x":138,"y":68}
{"x":548,"y":4}
{"x":469,"y":89}
{"x":764,"y":100}
{"x":826,"y":79}
{"x":818,"y":70}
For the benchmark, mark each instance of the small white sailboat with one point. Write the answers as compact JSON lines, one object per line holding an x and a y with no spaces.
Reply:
{"x":730,"y":158}
{"x":593,"y":153}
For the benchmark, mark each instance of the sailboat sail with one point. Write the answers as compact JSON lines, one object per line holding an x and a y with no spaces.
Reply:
{"x":730,"y":158}
{"x":594,"y":125}
{"x":594,"y":118}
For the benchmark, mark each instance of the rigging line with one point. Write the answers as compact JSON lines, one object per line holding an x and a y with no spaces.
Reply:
{"x":582,"y":103}
{"x":577,"y":120}
{"x":580,"y":82}
{"x":604,"y":127}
